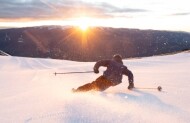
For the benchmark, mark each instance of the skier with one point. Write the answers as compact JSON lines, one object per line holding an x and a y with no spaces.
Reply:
{"x":111,"y":77}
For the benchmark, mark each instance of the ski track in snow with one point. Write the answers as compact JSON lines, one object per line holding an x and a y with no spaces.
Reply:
{"x":31,"y":93}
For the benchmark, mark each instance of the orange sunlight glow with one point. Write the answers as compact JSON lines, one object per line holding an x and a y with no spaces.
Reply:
{"x":83,"y":27}
{"x":83,"y":23}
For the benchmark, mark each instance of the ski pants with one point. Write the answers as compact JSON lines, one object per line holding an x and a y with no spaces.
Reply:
{"x":100,"y":84}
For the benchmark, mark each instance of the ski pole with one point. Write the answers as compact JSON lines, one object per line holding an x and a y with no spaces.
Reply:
{"x":159,"y":88}
{"x":74,"y":72}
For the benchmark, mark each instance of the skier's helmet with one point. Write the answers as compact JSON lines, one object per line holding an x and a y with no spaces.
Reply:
{"x":117,"y":58}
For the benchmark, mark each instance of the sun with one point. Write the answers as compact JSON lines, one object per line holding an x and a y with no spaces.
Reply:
{"x":83,"y":27}
{"x":83,"y":23}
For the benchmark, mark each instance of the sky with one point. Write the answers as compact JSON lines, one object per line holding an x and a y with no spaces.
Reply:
{"x":142,"y":14}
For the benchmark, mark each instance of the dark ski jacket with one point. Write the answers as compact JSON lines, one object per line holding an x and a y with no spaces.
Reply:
{"x":115,"y":70}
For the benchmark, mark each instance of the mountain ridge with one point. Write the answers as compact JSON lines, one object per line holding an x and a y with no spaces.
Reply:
{"x":70,"y":43}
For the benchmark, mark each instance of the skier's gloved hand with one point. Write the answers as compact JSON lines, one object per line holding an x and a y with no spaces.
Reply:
{"x":131,"y":85}
{"x":96,"y":71}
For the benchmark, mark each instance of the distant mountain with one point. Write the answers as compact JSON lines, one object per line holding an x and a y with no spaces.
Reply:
{"x":71,"y":43}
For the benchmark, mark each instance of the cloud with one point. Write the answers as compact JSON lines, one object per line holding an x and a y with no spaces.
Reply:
{"x":57,"y":9}
{"x":114,"y":9}
{"x":181,"y":14}
{"x":15,"y":9}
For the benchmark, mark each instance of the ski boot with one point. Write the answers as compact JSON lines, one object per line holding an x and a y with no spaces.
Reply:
{"x":74,"y":90}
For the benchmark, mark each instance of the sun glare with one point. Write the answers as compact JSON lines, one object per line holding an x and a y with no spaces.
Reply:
{"x":83,"y":27}
{"x":83,"y":23}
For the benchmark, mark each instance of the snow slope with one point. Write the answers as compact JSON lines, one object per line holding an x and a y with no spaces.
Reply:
{"x":31,"y":93}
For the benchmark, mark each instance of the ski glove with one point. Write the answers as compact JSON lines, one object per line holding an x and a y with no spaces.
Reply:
{"x":131,"y":85}
{"x":96,"y":70}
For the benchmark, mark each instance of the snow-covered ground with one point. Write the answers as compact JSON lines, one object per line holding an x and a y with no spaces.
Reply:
{"x":31,"y":93}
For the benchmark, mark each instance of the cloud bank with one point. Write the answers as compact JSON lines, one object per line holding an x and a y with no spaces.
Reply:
{"x":58,"y":9}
